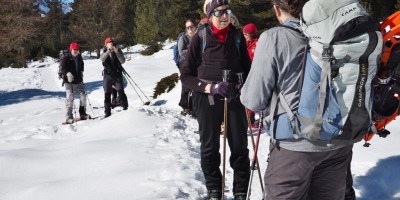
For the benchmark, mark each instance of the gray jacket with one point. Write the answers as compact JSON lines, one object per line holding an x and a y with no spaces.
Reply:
{"x":183,"y":46}
{"x":277,"y":66}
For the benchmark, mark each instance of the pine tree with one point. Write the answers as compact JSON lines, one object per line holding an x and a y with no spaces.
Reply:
{"x":19,"y":30}
{"x":146,"y":22}
{"x":88,"y":25}
{"x":258,"y":12}
{"x":157,"y":21}
{"x":55,"y":30}
{"x":119,"y":20}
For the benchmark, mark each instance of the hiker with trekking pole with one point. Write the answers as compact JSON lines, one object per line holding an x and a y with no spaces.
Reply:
{"x":219,"y":46}
{"x":112,"y":59}
{"x":314,"y":88}
{"x":72,"y":68}
{"x":255,"y":165}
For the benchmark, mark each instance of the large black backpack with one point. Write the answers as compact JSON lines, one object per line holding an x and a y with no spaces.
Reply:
{"x":61,"y":55}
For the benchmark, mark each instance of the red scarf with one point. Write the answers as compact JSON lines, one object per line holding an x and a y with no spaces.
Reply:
{"x":221,"y":34}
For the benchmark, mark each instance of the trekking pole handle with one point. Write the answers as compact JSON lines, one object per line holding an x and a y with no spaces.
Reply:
{"x":240,"y":77}
{"x":225,"y":74}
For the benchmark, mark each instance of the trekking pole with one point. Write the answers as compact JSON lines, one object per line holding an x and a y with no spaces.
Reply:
{"x":240,"y":80}
{"x":126,"y":73}
{"x":225,"y":74}
{"x":255,"y":159}
{"x":135,"y":90}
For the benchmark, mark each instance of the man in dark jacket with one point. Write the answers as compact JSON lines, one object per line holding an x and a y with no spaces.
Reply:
{"x":72,"y":68}
{"x":112,"y":58}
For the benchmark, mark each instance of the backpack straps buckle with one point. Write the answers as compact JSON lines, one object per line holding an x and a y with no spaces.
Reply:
{"x":326,"y":52}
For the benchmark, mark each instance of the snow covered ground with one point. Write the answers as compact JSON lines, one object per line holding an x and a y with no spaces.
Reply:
{"x":147,"y":152}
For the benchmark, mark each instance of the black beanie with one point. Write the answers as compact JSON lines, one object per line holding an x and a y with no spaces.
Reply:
{"x":214,"y":4}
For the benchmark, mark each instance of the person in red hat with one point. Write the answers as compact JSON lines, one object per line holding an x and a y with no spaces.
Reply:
{"x":72,"y":68}
{"x":250,"y":33}
{"x":112,"y":58}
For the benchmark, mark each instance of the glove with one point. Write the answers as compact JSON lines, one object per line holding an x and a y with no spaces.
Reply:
{"x":224,"y":89}
{"x":70,"y":77}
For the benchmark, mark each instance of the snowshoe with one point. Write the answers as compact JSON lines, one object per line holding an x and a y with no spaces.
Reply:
{"x":71,"y":121}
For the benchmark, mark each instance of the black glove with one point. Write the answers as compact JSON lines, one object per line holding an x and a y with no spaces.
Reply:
{"x":224,"y":89}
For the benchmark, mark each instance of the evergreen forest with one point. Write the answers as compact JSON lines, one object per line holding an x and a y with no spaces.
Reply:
{"x":29,"y":34}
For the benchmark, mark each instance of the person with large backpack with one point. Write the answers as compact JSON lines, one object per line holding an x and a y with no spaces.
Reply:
{"x":217,"y":47}
{"x":72,"y":68}
{"x":183,"y":46}
{"x":316,"y":93}
{"x":112,"y":58}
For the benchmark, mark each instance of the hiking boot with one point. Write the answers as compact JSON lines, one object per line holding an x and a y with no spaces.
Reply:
{"x":69,"y":121}
{"x":107,"y":110}
{"x":107,"y":113}
{"x":124,"y":105}
{"x":84,"y":116}
{"x":240,"y":196}
{"x":82,"y":110}
{"x":214,"y":195}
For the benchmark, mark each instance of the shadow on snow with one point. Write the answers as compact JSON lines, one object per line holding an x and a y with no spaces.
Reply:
{"x":381,"y":181}
{"x":19,"y":96}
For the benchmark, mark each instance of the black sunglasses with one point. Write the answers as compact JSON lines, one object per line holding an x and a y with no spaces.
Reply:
{"x":219,"y":13}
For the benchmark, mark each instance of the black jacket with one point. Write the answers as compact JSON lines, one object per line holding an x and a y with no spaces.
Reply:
{"x":112,"y":67}
{"x":68,"y":65}
{"x":217,"y":56}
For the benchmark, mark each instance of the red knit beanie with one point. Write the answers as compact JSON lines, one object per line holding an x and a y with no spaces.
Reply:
{"x":250,"y":29}
{"x":73,"y":45}
{"x":108,"y":40}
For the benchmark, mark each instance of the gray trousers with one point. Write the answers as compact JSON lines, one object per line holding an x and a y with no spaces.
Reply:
{"x":306,"y":175}
{"x":76,"y":89}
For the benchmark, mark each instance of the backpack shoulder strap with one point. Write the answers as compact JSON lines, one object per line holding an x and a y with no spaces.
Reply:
{"x":203,"y":36}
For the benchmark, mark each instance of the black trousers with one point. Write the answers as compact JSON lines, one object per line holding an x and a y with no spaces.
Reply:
{"x":184,"y":101}
{"x":108,"y":83}
{"x":210,"y":118}
{"x":350,"y":193}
